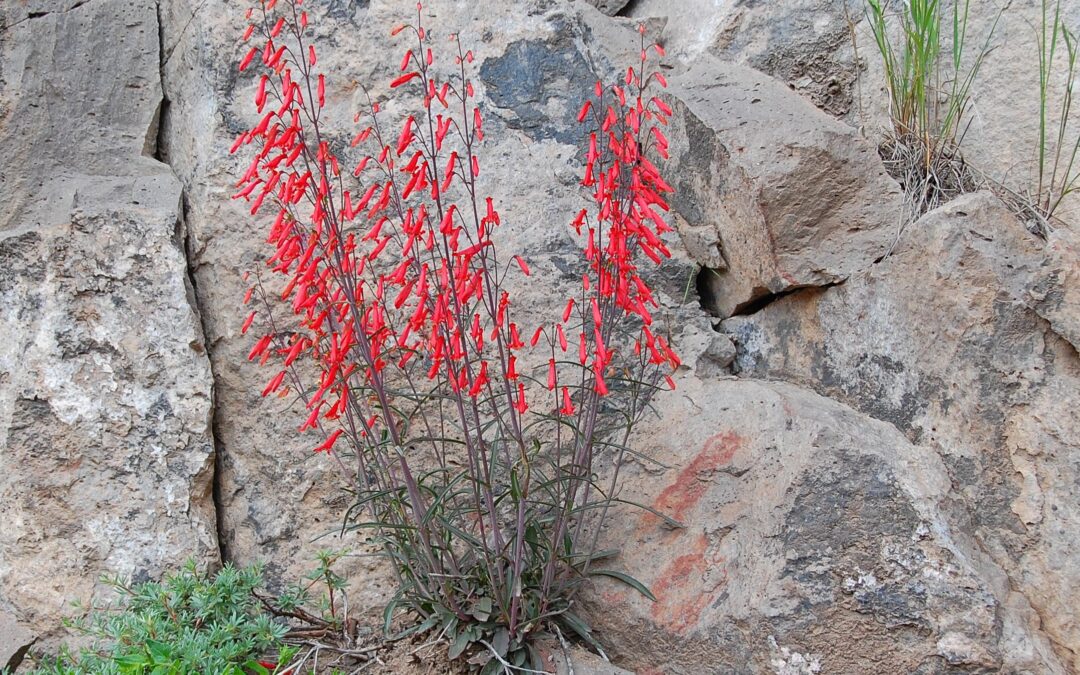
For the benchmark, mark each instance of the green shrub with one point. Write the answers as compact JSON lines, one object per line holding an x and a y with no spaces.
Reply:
{"x":190,"y":623}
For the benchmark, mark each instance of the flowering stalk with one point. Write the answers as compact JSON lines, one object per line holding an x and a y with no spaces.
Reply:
{"x":400,"y":303}
{"x":623,"y":226}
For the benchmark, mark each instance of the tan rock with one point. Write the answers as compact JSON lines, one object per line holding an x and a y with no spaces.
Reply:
{"x":792,"y":197}
{"x":943,"y":341}
{"x":15,"y":641}
{"x":609,"y":7}
{"x":806,"y":44}
{"x":825,"y":50}
{"x":106,"y":454}
{"x":814,"y":539}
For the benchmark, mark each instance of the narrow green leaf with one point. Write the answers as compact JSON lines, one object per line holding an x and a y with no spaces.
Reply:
{"x":579,"y":628}
{"x":388,"y":612}
{"x":626,"y":579}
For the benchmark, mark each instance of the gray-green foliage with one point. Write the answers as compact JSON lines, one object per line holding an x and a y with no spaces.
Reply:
{"x":192,"y":622}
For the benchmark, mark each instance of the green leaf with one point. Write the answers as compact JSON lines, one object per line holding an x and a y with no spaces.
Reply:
{"x":674,"y":524}
{"x":422,"y":627}
{"x":518,"y":657}
{"x":626,"y":579}
{"x":159,"y":652}
{"x":482,"y":611}
{"x":388,"y":611}
{"x":579,"y":627}
{"x":515,"y":487}
{"x":501,"y":641}
{"x":129,"y":661}
{"x":460,"y":643}
{"x":256,"y":667}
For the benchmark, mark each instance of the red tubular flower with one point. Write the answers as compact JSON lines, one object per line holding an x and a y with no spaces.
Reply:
{"x":521,"y":405}
{"x":406,"y":136}
{"x":536,"y":336}
{"x":274,"y":383}
{"x":259,"y":348}
{"x":568,"y":310}
{"x":403,"y":79}
{"x":601,"y":386}
{"x":567,"y":406}
{"x":246,"y":61}
{"x":584,"y":111}
{"x":328,"y":444}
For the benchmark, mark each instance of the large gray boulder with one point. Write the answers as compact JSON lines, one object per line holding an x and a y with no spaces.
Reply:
{"x":805,"y":44}
{"x":772,"y":194}
{"x":944,"y":341}
{"x":106,"y":452}
{"x":824,"y":50}
{"x":814,"y":539}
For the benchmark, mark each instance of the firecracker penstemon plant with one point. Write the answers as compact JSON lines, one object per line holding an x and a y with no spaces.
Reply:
{"x":476,"y":473}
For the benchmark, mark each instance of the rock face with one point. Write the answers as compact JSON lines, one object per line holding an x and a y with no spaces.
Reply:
{"x":609,"y":7}
{"x":15,"y":641}
{"x":106,"y":455}
{"x":824,"y":50}
{"x":873,"y":460}
{"x":771,"y":193}
{"x":805,"y":44}
{"x":944,"y":341}
{"x":815,"y":539}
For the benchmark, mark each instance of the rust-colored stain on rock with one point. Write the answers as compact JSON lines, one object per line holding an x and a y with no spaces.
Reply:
{"x":681,"y":496}
{"x":683,"y":588}
{"x":680,"y":590}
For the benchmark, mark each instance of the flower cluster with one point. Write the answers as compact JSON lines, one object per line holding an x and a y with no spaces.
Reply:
{"x":398,"y":296}
{"x":393,"y":269}
{"x":627,"y":193}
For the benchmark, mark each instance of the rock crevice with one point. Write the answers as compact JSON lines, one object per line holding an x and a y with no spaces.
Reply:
{"x":161,"y":153}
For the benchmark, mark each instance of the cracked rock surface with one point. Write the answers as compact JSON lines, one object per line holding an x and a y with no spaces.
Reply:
{"x":869,"y":464}
{"x":943,"y":340}
{"x":106,"y":456}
